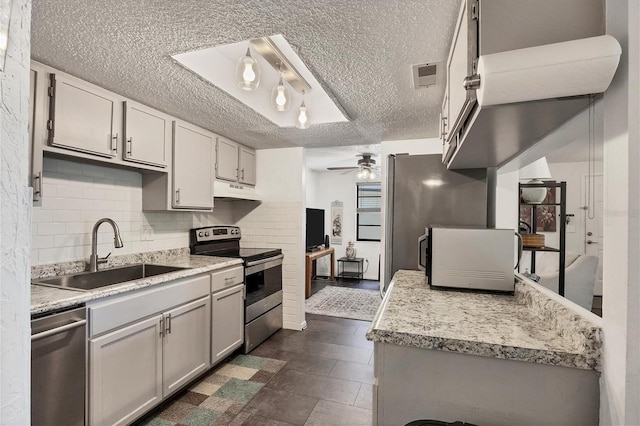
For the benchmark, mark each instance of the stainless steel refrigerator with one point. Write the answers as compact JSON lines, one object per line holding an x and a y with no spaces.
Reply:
{"x":421,"y":192}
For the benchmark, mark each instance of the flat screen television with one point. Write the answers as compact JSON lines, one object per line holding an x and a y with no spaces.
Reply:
{"x":315,"y":228}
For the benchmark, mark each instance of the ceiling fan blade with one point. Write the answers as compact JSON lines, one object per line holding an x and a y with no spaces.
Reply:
{"x":349,"y":171}
{"x":342,"y":168}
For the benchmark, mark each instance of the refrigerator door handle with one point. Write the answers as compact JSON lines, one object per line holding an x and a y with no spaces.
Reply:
{"x":422,"y":252}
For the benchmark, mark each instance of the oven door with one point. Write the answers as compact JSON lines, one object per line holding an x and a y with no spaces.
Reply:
{"x":263,"y":279}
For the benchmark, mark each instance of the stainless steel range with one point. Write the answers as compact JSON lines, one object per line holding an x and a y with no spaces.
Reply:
{"x":262,"y":278}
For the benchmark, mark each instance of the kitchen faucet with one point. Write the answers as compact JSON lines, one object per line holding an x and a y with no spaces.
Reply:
{"x":94,"y":260}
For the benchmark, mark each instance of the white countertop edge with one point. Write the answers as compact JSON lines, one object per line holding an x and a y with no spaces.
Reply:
{"x":77,"y":297}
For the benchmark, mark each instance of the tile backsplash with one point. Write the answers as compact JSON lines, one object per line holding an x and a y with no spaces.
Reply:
{"x":76,"y":195}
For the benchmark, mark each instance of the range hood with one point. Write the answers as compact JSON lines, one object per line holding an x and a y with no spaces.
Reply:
{"x":234,"y":191}
{"x":517,"y":71}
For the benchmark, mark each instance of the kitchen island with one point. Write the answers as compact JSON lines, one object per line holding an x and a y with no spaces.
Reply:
{"x":500,"y":359}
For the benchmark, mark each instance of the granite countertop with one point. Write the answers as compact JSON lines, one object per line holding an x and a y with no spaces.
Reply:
{"x":45,"y":299}
{"x":527,"y":326}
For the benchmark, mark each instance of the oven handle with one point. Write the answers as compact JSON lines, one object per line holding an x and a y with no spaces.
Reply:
{"x":261,"y":265}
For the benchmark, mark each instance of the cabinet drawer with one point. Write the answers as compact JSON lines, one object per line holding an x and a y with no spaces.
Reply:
{"x":123,"y":309}
{"x":226,"y":278}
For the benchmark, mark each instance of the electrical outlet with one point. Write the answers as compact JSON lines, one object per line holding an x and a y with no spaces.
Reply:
{"x":147,"y":233}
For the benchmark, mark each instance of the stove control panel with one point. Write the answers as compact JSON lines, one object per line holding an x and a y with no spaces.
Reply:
{"x":216,"y":233}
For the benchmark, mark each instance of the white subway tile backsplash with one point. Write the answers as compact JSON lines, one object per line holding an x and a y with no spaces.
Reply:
{"x":66,"y":216}
{"x":39,"y":215}
{"x":68,"y":191}
{"x":52,"y":228}
{"x":41,"y":241}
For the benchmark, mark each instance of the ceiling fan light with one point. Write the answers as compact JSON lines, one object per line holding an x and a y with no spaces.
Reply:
{"x":302,"y":121}
{"x":280,"y":97}
{"x":247,"y":73}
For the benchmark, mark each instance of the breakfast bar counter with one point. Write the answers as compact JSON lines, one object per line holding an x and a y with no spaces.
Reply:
{"x":526,"y":326}
{"x":530,"y":357}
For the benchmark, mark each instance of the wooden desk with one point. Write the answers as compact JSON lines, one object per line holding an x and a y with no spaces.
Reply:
{"x":312,"y":257}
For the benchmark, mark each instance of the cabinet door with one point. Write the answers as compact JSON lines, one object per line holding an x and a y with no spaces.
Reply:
{"x":192,"y":168}
{"x":227,"y":322}
{"x":125,"y":373}
{"x":81,"y":118}
{"x":186,"y":343}
{"x":226,"y":160}
{"x":247,"y":166}
{"x":145,"y":134}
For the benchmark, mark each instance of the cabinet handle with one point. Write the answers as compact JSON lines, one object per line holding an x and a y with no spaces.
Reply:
{"x":168,"y":323}
{"x":37,"y":184}
{"x":244,"y":292}
{"x":129,"y":146}
{"x":162,"y":326}
{"x":228,"y":279}
{"x":243,"y":174}
{"x":591,"y":242}
{"x":114,"y":143}
{"x":178,"y":196}
{"x":237,"y":174}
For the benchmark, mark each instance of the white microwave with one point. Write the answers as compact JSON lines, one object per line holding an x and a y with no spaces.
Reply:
{"x":469,"y":258}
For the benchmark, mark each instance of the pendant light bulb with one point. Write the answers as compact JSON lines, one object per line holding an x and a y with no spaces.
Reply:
{"x":247,"y":73}
{"x":303,"y":117}
{"x":280,"y":97}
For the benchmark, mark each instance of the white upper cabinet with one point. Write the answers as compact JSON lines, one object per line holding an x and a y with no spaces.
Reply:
{"x":227,"y":160}
{"x":146,"y":135}
{"x":247,"y":168}
{"x":81,"y":117}
{"x":235,"y":162}
{"x":192,"y":167}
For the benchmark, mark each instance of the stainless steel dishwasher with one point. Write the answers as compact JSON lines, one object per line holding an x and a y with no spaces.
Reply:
{"x":58,"y":364}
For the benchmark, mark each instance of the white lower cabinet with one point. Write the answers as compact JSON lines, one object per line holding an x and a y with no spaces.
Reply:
{"x":185,"y":344}
{"x":135,"y":364}
{"x":227,"y":323}
{"x":125,"y":372}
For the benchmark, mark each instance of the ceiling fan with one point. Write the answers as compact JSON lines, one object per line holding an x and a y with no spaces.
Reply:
{"x":366,"y":167}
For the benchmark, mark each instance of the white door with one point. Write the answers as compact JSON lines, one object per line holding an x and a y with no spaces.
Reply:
{"x":227,"y":322}
{"x":145,"y":134}
{"x":186,"y":343}
{"x":247,"y":170}
{"x":593,"y":230}
{"x":125,"y":373}
{"x":226,"y":160}
{"x":82,"y":117}
{"x":192,"y":168}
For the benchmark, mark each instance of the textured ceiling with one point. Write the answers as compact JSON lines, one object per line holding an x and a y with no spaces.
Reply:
{"x":362,"y":50}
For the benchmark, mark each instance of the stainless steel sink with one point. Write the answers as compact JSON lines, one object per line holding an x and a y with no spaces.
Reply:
{"x":92,"y":280}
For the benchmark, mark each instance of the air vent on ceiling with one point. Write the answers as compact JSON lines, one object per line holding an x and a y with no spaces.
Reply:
{"x":425,"y":75}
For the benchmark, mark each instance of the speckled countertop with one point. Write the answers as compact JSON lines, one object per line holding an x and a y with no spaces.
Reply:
{"x":526,"y":326}
{"x":45,"y":299}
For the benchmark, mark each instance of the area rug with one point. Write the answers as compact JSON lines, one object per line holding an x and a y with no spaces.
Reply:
{"x":353,"y":303}
{"x":217,"y":398}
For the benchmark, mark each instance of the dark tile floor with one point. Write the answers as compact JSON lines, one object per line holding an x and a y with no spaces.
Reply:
{"x":326,"y":381}
{"x":319,"y":376}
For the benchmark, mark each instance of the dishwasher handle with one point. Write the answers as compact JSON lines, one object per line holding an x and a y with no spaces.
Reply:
{"x":57,"y":330}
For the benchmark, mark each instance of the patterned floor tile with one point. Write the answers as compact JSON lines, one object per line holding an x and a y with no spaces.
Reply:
{"x":236,"y":371}
{"x":200,"y":417}
{"x":217,"y":404}
{"x":248,"y":361}
{"x":239,"y":390}
{"x":176,"y":411}
{"x":192,"y":398}
{"x":216,"y":379}
{"x":156,"y":421}
{"x":205,"y":388}
{"x":273,"y":365}
{"x":262,"y":376}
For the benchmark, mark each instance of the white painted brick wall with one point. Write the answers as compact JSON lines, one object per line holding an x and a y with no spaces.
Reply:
{"x":76,"y":195}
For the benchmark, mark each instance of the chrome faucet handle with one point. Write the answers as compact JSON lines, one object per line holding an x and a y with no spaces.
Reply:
{"x":101,"y":260}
